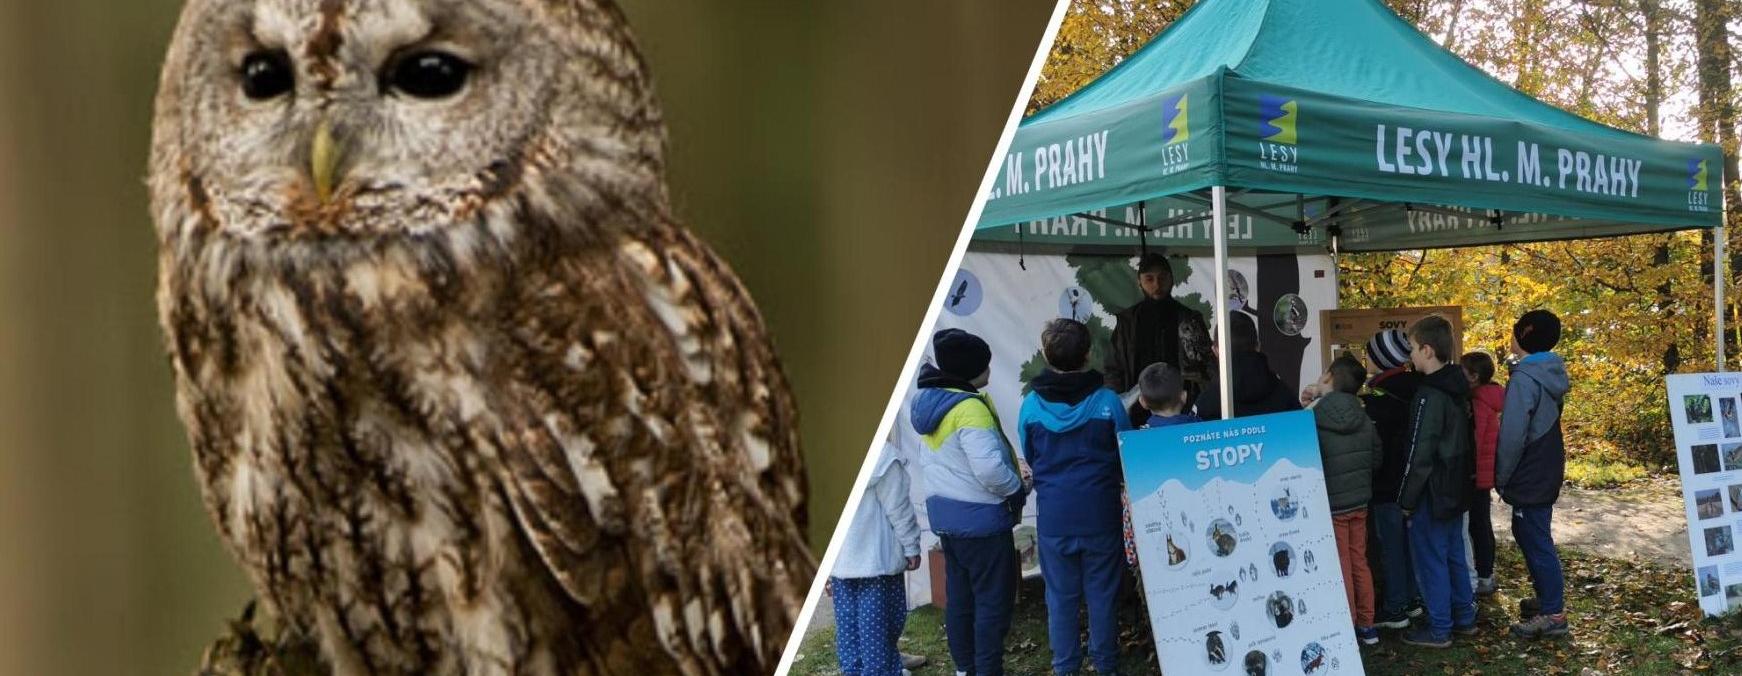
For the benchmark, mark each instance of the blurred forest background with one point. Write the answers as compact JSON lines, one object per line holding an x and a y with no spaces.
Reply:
{"x":829,"y":150}
{"x":1636,"y":308}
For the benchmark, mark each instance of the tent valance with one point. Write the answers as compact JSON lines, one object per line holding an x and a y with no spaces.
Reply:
{"x":1322,"y":115}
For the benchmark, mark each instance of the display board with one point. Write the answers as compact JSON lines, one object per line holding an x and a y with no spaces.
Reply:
{"x":1708,"y":445}
{"x":1234,"y":539}
{"x":1348,"y":330}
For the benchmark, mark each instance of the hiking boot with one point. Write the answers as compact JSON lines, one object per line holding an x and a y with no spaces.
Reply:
{"x":1541,"y":626}
{"x":1466,"y":630}
{"x":1486,"y":586}
{"x":1391,"y":620}
{"x":1367,"y":635}
{"x":1424,"y":637}
{"x":1529,"y":608}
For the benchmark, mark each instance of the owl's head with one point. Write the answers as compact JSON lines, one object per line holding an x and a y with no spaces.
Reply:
{"x":309,"y":119}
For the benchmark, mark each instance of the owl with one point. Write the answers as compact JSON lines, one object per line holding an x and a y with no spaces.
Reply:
{"x":463,"y":397}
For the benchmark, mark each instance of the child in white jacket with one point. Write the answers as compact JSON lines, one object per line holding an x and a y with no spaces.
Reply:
{"x":868,"y":584}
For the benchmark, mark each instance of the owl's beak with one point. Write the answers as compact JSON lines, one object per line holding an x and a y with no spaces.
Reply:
{"x":324,"y":156}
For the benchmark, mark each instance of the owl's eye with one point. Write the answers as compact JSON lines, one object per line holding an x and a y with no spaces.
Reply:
{"x":267,"y":75}
{"x":429,"y":75}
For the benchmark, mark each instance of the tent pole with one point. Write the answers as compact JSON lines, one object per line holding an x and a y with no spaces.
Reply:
{"x":1219,"y":225}
{"x":1718,"y":279}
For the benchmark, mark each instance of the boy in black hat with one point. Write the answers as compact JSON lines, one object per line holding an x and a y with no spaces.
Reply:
{"x":1530,"y":463}
{"x":975,"y":493}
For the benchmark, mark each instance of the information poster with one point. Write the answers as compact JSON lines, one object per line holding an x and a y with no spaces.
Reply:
{"x":1708,"y":444}
{"x":1234,"y":539}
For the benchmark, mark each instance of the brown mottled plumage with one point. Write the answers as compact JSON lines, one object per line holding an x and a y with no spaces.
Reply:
{"x":463,"y":397}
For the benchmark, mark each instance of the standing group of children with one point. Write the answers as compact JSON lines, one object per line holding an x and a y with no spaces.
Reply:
{"x":1410,"y":455}
{"x":1435,"y":438}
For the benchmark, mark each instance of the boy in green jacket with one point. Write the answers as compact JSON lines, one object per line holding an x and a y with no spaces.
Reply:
{"x":1351,"y":451}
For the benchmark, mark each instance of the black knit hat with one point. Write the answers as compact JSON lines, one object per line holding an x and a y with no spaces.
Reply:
{"x":960,"y":354}
{"x":1537,"y":331}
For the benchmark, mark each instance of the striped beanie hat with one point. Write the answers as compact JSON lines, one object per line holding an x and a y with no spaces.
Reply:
{"x":1389,"y":349}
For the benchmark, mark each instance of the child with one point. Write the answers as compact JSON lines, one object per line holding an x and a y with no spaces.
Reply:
{"x":868,"y":583}
{"x":1387,"y":400}
{"x":1162,"y":392}
{"x":1486,"y":400}
{"x":1530,"y":463}
{"x":975,"y":493}
{"x":1351,"y":450}
{"x":1436,"y":487}
{"x":1068,"y":425}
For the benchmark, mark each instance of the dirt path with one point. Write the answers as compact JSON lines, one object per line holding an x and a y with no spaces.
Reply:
{"x":1647,"y":521}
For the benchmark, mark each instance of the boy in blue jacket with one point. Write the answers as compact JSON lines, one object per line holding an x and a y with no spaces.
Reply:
{"x":1530,"y":462}
{"x":1069,"y":422}
{"x":975,"y":495}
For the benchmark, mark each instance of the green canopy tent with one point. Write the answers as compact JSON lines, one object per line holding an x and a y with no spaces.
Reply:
{"x":1332,"y":125}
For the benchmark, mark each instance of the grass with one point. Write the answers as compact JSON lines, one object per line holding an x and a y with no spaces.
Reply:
{"x":1627,"y":617}
{"x":1592,"y":473}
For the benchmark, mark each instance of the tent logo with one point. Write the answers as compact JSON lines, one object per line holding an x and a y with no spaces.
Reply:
{"x":1174,"y":119}
{"x":1176,"y":130}
{"x":1698,"y":199}
{"x":1277,"y":117}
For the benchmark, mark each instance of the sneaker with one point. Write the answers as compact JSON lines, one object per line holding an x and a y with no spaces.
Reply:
{"x":1541,"y":626}
{"x":1415,"y":609}
{"x":1486,"y":586}
{"x":1390,"y":620}
{"x":1367,"y":635}
{"x":912,"y":661}
{"x":1466,"y":630}
{"x":1424,"y":637}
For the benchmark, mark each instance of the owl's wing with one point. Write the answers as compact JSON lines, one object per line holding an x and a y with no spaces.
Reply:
{"x":652,"y":453}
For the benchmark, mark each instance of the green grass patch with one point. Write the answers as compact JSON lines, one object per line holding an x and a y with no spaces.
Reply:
{"x":1627,"y":617}
{"x":1603,"y":473}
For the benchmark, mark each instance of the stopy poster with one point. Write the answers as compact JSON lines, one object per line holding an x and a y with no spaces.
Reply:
{"x":1703,"y":408}
{"x":1234,"y":540}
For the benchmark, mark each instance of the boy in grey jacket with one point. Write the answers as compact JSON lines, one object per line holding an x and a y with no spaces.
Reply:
{"x":1530,"y":463}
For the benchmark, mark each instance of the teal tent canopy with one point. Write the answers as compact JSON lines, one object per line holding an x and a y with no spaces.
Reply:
{"x":1329,"y":120}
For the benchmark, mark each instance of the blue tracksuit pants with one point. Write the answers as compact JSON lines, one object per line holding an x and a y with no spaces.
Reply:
{"x":1079,"y":569}
{"x":1441,"y":572}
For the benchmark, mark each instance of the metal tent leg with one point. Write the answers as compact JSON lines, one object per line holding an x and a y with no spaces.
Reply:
{"x":1719,"y":277}
{"x":1219,"y":224}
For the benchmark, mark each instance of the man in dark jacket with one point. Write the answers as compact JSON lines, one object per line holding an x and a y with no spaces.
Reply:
{"x":1438,"y":478}
{"x":1389,"y":393}
{"x":1530,"y":463}
{"x":1257,"y":389}
{"x":1069,"y":425}
{"x":1157,"y":329}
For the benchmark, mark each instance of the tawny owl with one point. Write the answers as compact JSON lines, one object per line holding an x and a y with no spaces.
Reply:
{"x":463,"y":397}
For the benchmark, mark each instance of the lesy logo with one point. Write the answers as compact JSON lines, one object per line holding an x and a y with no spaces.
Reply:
{"x":1176,"y":130}
{"x":1277,"y":149}
{"x":1699,"y":200}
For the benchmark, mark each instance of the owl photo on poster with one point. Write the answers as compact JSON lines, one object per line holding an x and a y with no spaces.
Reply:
{"x":463,"y":396}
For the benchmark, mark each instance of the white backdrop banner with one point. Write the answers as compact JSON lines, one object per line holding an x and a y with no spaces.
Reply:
{"x":994,"y":297}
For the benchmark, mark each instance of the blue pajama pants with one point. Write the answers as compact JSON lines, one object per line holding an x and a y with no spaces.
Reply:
{"x":870,"y":613}
{"x":1078,"y":569}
